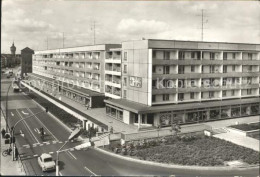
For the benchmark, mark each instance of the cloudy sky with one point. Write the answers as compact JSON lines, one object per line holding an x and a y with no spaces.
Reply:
{"x":31,"y":22}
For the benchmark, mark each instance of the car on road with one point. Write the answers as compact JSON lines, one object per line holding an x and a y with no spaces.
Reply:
{"x":46,"y":162}
{"x":16,"y":88}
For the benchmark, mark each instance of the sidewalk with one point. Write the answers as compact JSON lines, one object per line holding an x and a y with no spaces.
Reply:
{"x":244,"y":141}
{"x":8,"y":166}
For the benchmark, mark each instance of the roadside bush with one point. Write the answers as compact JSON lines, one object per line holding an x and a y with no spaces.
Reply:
{"x":65,"y":117}
{"x":200,"y":150}
{"x":247,"y":127}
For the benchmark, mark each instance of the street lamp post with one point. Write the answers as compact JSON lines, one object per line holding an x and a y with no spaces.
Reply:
{"x":12,"y":131}
{"x":73,"y":135}
{"x":6,"y":107}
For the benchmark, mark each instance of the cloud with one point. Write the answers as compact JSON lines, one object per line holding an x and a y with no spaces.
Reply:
{"x":27,"y":25}
{"x":132,"y":26}
{"x":47,"y":11}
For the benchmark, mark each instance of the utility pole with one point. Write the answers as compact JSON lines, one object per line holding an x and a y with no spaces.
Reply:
{"x":94,"y":31}
{"x":47,"y":42}
{"x":202,"y":24}
{"x":62,"y":39}
{"x":203,"y":21}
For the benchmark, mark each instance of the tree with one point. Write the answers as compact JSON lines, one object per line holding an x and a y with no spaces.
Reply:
{"x":176,"y":128}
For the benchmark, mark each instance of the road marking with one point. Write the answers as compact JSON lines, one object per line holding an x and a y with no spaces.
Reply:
{"x":86,"y":168}
{"x":72,"y":155}
{"x":25,"y":123}
{"x":37,"y":130}
{"x":43,"y":125}
{"x":35,"y":155}
{"x":26,"y":145}
{"x":21,"y":133}
{"x":50,"y":152}
{"x":25,"y":113}
{"x":12,"y":114}
{"x":60,"y":142}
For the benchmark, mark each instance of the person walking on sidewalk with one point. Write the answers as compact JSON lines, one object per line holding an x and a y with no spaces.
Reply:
{"x":3,"y":132}
{"x":16,"y":153}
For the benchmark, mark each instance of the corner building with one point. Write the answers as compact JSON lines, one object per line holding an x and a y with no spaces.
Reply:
{"x":165,"y":80}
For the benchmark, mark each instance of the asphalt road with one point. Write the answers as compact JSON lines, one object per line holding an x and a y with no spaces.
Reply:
{"x":82,"y":162}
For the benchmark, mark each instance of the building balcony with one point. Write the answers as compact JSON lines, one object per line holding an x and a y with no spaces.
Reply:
{"x":113,"y":73}
{"x":164,"y":91}
{"x":114,"y":84}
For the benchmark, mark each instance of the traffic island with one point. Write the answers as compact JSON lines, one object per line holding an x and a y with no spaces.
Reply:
{"x":187,"y":150}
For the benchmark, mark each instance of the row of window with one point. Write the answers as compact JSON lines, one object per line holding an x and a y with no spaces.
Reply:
{"x":212,"y":69}
{"x":197,"y":55}
{"x":166,"y":97}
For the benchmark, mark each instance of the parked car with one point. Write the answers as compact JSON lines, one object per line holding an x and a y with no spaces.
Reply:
{"x":16,"y":88}
{"x":46,"y":162}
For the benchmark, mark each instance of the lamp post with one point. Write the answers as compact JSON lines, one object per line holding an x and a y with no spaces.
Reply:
{"x":6,"y":107}
{"x":12,"y":131}
{"x":73,"y":135}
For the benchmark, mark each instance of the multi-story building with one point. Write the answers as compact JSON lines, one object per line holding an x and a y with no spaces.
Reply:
{"x":157,"y":82}
{"x":77,"y":72}
{"x":166,"y":81}
{"x":26,"y":64}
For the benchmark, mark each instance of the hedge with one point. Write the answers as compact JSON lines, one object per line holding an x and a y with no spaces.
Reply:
{"x":247,"y":127}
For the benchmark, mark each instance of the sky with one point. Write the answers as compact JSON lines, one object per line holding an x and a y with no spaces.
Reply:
{"x":39,"y":24}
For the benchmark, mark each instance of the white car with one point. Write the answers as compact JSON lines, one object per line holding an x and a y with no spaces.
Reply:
{"x":46,"y":162}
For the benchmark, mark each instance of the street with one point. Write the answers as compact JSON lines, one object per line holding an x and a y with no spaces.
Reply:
{"x":74,"y":162}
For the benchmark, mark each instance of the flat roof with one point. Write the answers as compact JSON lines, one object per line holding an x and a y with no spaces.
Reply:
{"x":141,"y":108}
{"x":75,"y":88}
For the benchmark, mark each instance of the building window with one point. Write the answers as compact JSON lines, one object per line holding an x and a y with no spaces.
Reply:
{"x":233,"y":67}
{"x":250,"y":56}
{"x":181,"y":55}
{"x":192,"y":83}
{"x":211,"y":94}
{"x":154,"y":54}
{"x":166,"y":69}
{"x":233,"y":56}
{"x":124,"y":93}
{"x":166,"y":97}
{"x":125,"y":55}
{"x":153,"y":98}
{"x":225,"y":69}
{"x":166,"y":55}
{"x":202,"y":95}
{"x":202,"y":69}
{"x":154,"y":84}
{"x":125,"y":68}
{"x":249,"y":91}
{"x":181,"y":69}
{"x":224,"y":93}
{"x":180,"y":96}
{"x":212,"y":69}
{"x":192,"y":68}
{"x":250,"y":68}
{"x":212,"y":56}
{"x":154,"y":69}
{"x":193,"y":55}
{"x":232,"y":92}
{"x":224,"y":56}
{"x":125,"y":81}
{"x":192,"y":95}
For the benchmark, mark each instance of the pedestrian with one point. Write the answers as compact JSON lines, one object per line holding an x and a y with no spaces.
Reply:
{"x":16,"y":152}
{"x":3,"y":132}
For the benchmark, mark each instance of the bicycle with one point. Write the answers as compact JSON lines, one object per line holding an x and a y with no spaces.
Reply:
{"x":7,"y":152}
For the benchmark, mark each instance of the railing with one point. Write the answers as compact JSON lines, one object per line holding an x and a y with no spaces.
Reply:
{"x":164,"y":132}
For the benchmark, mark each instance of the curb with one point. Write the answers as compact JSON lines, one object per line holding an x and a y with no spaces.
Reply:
{"x":198,"y":168}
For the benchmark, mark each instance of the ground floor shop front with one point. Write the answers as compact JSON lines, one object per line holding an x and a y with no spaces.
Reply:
{"x":164,"y":116}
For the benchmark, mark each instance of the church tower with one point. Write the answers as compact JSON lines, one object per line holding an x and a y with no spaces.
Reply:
{"x":13,"y":49}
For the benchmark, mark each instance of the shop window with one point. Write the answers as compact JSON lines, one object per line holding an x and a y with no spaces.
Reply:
{"x":235,"y":112}
{"x":214,"y":114}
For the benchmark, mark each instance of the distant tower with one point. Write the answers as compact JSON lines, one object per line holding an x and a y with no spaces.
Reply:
{"x":13,"y":49}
